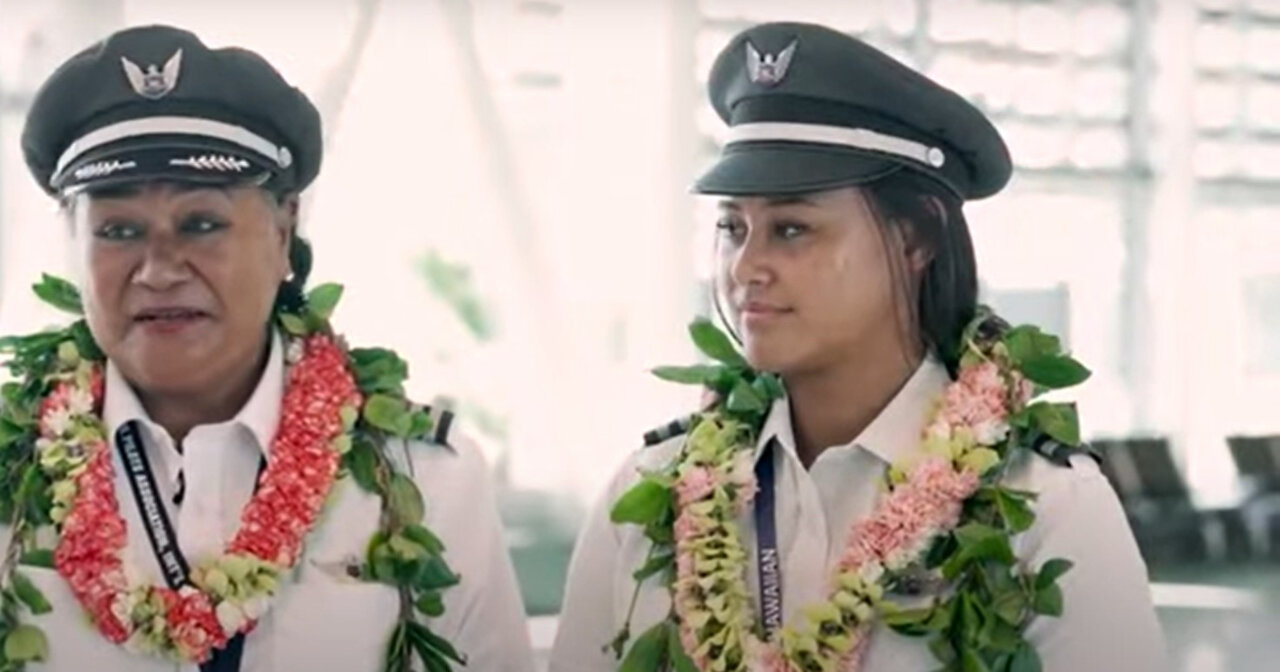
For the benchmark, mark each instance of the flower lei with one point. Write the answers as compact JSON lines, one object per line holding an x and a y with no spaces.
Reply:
{"x":339,"y":408}
{"x":945,"y":515}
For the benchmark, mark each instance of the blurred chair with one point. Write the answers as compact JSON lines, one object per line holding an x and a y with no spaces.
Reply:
{"x":1257,"y":460}
{"x":1156,"y":498}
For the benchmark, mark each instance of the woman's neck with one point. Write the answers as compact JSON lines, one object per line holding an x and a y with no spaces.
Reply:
{"x":833,"y":405}
{"x":178,"y":411}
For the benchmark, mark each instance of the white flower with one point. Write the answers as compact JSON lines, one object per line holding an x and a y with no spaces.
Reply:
{"x":122,"y":607}
{"x":990,"y":432}
{"x":293,"y":351}
{"x":139,"y":643}
{"x":231,"y":617}
{"x":80,"y":402}
{"x":58,"y":421}
{"x":256,"y":607}
{"x":899,"y":559}
{"x":744,"y":468}
{"x":939,"y":429}
{"x":871,"y":572}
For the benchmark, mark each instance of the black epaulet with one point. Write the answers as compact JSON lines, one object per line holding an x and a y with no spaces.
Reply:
{"x":441,"y":424}
{"x":666,"y":432}
{"x":1060,"y":453}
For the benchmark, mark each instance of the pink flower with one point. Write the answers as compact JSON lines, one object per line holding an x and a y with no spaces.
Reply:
{"x":936,"y":479}
{"x":696,"y":484}
{"x":687,"y":526}
{"x":978,"y":398}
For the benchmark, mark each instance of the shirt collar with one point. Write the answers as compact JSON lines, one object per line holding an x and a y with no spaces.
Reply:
{"x":894,"y":433}
{"x":260,"y":415}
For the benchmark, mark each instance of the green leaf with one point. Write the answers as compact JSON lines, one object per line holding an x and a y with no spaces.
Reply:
{"x":1027,"y":343}
{"x":698,"y":374}
{"x":85,"y":341}
{"x":676,"y":656}
{"x":293,"y":324}
{"x":420,"y":633}
{"x":30,"y":595}
{"x":978,"y":542}
{"x":435,"y":574}
{"x":1009,"y":606}
{"x":1048,"y":600}
{"x":1055,"y":373}
{"x":26,"y":643}
{"x":430,"y":603}
{"x":59,"y":293}
{"x":1051,"y":570}
{"x":323,"y":299}
{"x":420,"y":425}
{"x":647,"y":652}
{"x":40,"y":557}
{"x":425,"y":538}
{"x":942,"y":649}
{"x":1015,"y":512}
{"x":743,"y":399}
{"x":384,"y":412}
{"x":907,"y":616}
{"x":362,"y":461}
{"x":405,"y":548}
{"x":1025,"y":659}
{"x":379,"y":370}
{"x":404,"y":425}
{"x":715,"y":343}
{"x":655,"y":564}
{"x":970,"y":661}
{"x":619,"y":642}
{"x":642,"y":504}
{"x":974,"y":533}
{"x":1059,"y":421}
{"x":404,"y":500}
{"x":11,"y":431}
{"x":397,"y":655}
{"x":772,"y":385}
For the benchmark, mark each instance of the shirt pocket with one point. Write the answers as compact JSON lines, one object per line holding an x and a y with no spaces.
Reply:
{"x":327,"y":620}
{"x":74,"y":644}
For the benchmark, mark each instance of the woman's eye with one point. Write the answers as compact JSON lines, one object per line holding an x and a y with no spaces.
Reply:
{"x":118,"y":231}
{"x":790,"y":231}
{"x":731,"y":227}
{"x":202,"y":224}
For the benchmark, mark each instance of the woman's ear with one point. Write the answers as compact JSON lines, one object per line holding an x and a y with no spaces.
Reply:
{"x":287,"y":227}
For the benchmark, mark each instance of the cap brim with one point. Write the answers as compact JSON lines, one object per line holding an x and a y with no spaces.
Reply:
{"x":775,"y":168}
{"x":199,"y":161}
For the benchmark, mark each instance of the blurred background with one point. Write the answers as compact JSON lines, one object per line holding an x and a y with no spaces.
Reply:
{"x":505,"y":198}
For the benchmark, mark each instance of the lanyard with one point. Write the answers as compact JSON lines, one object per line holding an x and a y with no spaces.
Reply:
{"x":767,"y":561}
{"x":164,"y":540}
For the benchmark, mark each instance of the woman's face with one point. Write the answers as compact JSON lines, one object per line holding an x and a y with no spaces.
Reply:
{"x":807,"y":279}
{"x":178,"y":281}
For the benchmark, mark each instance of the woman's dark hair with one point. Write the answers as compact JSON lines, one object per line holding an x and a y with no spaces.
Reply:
{"x":292,"y":297}
{"x":948,"y":290}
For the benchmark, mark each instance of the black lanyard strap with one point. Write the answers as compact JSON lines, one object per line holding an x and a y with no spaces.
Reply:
{"x":767,"y":559}
{"x":163,"y":538}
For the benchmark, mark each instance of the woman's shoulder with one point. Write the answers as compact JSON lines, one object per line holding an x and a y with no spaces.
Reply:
{"x":1054,"y":467}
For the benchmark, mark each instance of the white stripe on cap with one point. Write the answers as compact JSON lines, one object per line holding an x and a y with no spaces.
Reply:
{"x":145,"y":126}
{"x":858,"y":138}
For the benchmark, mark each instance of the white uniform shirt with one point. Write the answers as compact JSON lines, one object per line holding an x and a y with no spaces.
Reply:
{"x":321,"y":619}
{"x":1108,"y":623}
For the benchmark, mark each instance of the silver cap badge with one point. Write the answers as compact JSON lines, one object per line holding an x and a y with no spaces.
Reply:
{"x":769,"y":69}
{"x":154,"y":83}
